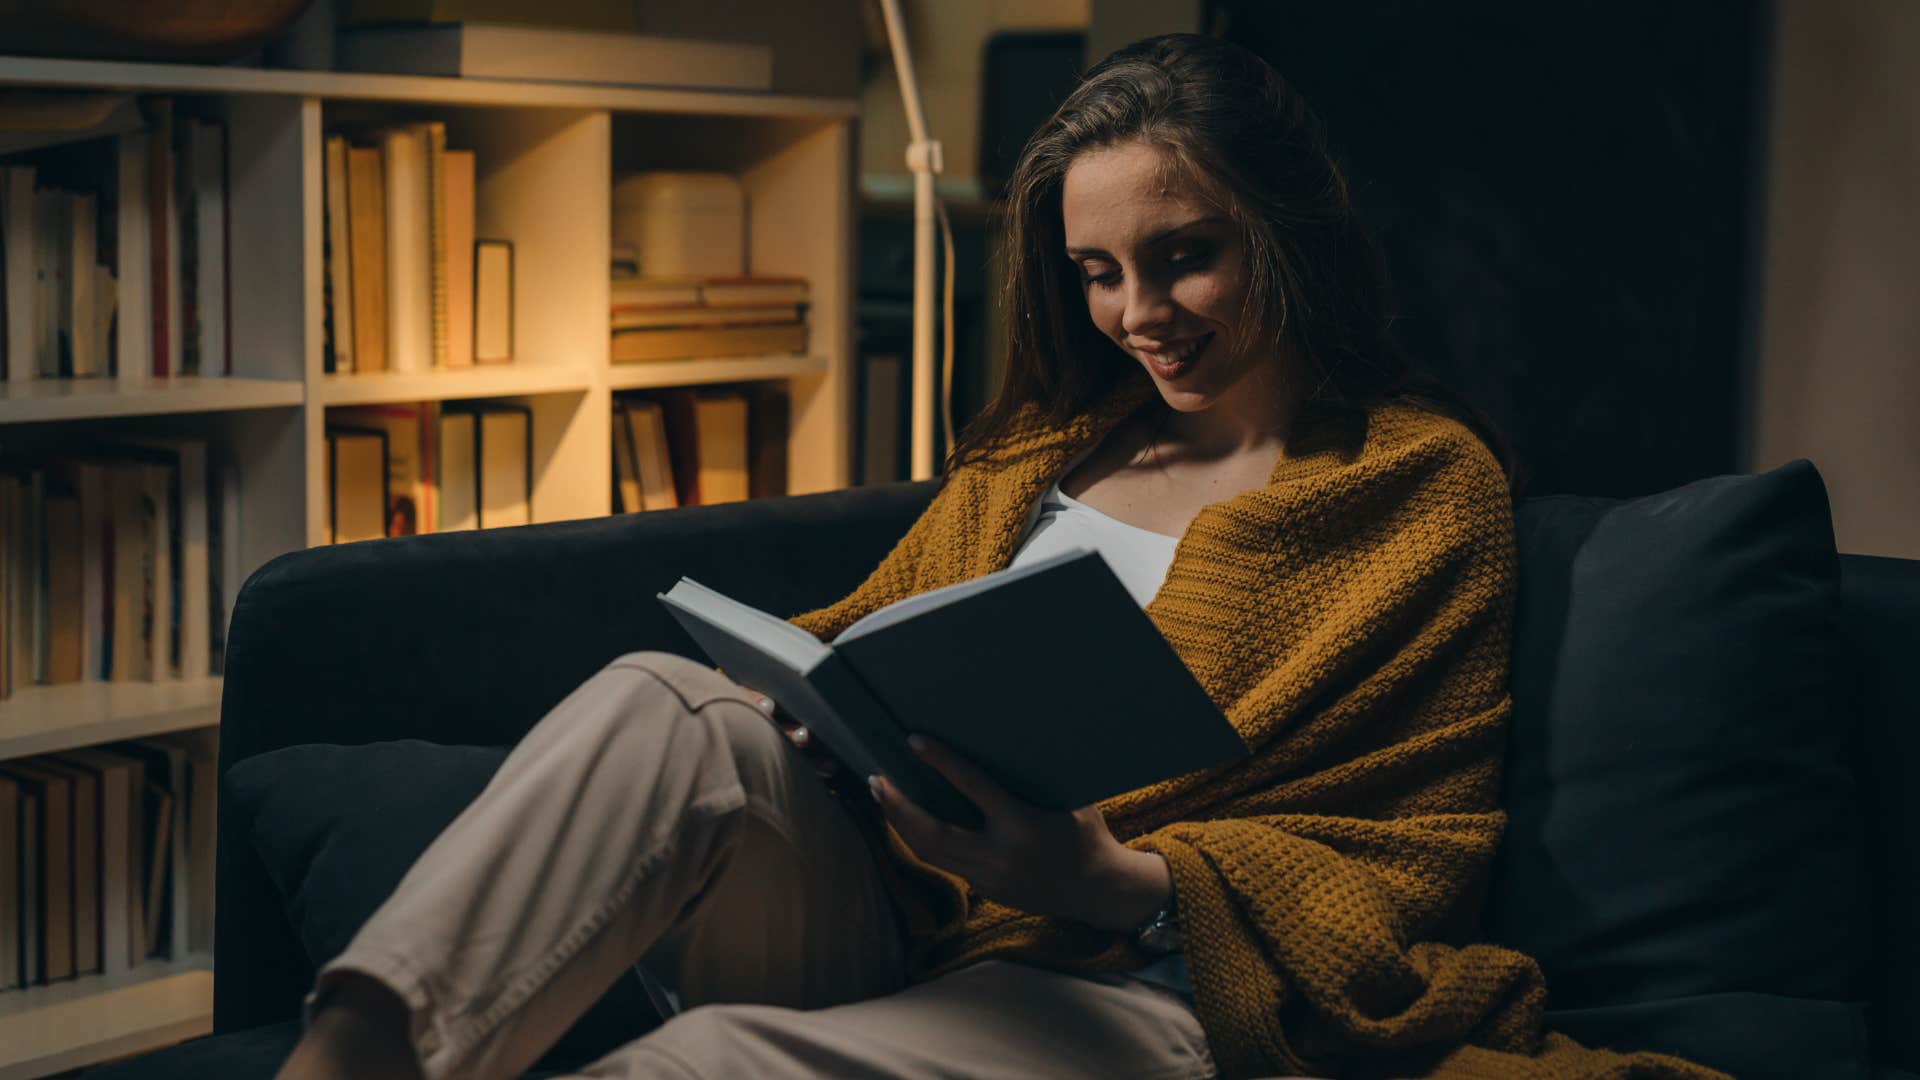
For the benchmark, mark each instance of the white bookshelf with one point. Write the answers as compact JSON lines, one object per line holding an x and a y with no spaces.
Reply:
{"x":547,"y":155}
{"x":103,"y":399}
{"x":94,"y":1018}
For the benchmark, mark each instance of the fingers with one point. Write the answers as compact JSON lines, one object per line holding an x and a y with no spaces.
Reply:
{"x":930,"y":838}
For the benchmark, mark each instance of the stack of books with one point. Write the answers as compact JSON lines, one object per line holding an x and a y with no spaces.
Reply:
{"x":401,"y":470}
{"x":688,"y":447}
{"x":114,"y":860}
{"x":667,"y":318}
{"x":117,"y":564}
{"x":116,"y":254}
{"x":400,"y":289}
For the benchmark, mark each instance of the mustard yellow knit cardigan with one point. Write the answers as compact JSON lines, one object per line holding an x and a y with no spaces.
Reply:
{"x":1352,"y":620}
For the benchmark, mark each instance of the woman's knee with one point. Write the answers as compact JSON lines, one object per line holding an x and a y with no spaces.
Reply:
{"x":698,"y":695}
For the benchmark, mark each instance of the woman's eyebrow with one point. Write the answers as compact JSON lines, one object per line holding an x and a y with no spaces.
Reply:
{"x":1163,"y":234}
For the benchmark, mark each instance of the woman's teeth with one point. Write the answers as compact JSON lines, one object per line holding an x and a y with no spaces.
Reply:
{"x":1176,"y":360}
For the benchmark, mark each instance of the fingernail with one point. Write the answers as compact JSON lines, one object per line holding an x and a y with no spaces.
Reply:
{"x":873,"y":786}
{"x":801,"y":736}
{"x":766,"y":704}
{"x":916,"y":744}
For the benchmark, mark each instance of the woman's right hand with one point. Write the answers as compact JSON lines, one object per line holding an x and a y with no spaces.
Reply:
{"x":825,"y":765}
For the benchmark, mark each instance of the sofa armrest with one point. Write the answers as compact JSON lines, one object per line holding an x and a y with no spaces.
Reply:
{"x":471,"y":637}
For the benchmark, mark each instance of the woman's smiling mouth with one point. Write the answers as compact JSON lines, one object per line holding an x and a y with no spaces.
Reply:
{"x":1175,"y":359}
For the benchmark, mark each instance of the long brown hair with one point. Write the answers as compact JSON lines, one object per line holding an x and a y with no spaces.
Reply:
{"x":1231,"y":129}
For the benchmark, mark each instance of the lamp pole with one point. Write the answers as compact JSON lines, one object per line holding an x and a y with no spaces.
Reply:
{"x":923,"y":160}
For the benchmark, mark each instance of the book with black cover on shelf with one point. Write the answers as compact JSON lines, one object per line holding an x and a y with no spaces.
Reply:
{"x":1047,"y":676}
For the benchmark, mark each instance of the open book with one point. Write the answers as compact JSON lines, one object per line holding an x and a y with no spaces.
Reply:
{"x":1048,"y":676}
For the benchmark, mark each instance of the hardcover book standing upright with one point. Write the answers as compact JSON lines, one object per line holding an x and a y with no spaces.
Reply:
{"x":1048,"y":676}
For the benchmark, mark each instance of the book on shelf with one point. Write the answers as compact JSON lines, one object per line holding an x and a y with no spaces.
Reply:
{"x":166,"y":774}
{"x":686,"y":446}
{"x":671,"y":343}
{"x":720,"y":420}
{"x":442,"y":467}
{"x":117,"y":779}
{"x":913,"y":667}
{"x":456,"y":472}
{"x":83,"y":862}
{"x":642,"y":465}
{"x":116,"y":253}
{"x":503,"y":51}
{"x":32,"y":899}
{"x":642,"y":318}
{"x":767,"y":432}
{"x":503,"y":462}
{"x":356,"y":484}
{"x":492,"y":302}
{"x":47,"y":865}
{"x":662,"y":318}
{"x":407,"y":156}
{"x":459,"y":210}
{"x":626,"y":463}
{"x":336,"y":285}
{"x":398,"y":221}
{"x":367,"y":257}
{"x":652,"y":460}
{"x":761,"y":290}
{"x":410,"y":446}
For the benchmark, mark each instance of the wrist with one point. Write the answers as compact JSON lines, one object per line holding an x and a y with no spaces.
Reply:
{"x":1132,"y":888}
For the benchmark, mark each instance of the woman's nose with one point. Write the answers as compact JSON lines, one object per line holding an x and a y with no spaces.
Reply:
{"x":1148,"y":309}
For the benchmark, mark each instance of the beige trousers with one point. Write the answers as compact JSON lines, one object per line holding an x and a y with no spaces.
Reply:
{"x":656,"y":815}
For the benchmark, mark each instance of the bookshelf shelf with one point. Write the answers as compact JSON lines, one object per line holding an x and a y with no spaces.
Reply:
{"x":657,"y":373}
{"x":94,"y":1018}
{"x":428,"y":90}
{"x":479,"y":381}
{"x":94,"y":399}
{"x":47,"y":719}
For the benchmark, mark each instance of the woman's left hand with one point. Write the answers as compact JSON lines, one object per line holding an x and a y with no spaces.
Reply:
{"x":1047,"y":862}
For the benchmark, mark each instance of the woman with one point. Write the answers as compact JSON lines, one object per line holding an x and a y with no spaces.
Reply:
{"x":1201,"y":388}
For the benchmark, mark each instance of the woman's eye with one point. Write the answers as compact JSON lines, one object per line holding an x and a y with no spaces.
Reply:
{"x":1188,"y":260}
{"x":1101,"y":281}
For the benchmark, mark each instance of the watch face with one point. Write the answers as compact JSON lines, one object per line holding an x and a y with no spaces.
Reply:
{"x":1161,"y":938}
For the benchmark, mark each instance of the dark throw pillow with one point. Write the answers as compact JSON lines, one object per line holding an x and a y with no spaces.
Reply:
{"x":337,"y":827}
{"x":1683,"y":852}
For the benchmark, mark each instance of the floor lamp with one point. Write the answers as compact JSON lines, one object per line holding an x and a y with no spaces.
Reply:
{"x":923,"y":160}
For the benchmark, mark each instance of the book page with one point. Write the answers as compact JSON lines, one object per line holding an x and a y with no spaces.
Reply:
{"x":901,"y":610}
{"x":786,"y":642}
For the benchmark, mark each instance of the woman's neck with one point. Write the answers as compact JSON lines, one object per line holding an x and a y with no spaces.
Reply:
{"x":1252,"y":416}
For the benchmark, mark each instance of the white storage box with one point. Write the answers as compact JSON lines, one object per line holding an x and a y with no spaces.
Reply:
{"x":683,"y":223}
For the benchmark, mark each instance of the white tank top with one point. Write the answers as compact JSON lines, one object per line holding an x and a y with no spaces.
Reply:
{"x":1139,"y":557}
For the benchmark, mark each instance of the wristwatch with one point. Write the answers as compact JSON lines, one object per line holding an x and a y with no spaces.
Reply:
{"x":1161,"y":933}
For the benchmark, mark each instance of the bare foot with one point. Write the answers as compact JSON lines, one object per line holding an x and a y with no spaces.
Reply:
{"x":358,"y":1033}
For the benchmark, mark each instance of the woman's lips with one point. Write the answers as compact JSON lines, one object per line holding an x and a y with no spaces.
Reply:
{"x":1177,"y":360}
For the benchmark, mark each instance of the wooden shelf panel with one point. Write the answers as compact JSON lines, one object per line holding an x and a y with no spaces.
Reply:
{"x":349,"y":85}
{"x":90,"y":399}
{"x":445,"y":385}
{"x":654,"y":373}
{"x":94,"y":1018}
{"x":45,"y":719}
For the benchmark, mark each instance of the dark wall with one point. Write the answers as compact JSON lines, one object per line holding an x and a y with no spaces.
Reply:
{"x":1564,"y":195}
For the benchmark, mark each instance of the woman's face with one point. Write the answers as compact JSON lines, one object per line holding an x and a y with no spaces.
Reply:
{"x":1163,"y":273}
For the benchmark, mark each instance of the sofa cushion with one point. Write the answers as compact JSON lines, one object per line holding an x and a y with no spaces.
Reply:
{"x":337,"y":827}
{"x":1881,"y":601}
{"x":1683,"y":851}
